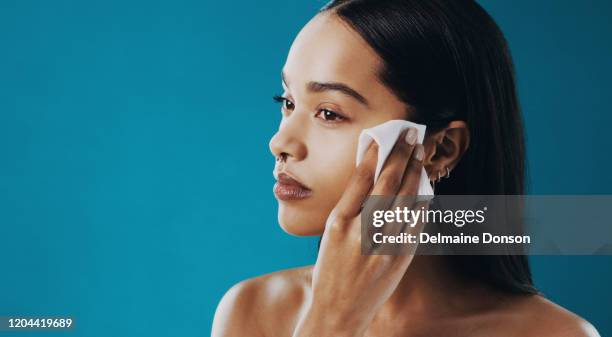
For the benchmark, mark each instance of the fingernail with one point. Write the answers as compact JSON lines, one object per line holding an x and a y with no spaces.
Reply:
{"x":419,"y":152}
{"x":411,"y":136}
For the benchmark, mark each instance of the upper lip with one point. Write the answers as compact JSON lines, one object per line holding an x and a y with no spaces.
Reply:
{"x":286,"y":178}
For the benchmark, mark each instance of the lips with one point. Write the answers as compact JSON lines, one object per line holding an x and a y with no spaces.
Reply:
{"x":288,"y":188}
{"x":285,"y":178}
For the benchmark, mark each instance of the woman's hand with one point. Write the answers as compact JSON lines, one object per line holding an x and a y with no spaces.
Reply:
{"x":348,"y":288}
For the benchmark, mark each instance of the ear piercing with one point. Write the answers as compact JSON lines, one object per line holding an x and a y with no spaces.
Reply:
{"x":440,"y":178}
{"x":445,"y":176}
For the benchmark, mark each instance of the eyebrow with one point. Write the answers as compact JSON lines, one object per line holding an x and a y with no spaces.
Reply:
{"x":332,"y":86}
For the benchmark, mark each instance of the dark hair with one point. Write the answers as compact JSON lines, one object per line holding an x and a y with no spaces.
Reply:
{"x":448,"y":60}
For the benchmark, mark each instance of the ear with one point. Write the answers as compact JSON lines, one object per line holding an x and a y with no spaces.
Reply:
{"x":444,"y":148}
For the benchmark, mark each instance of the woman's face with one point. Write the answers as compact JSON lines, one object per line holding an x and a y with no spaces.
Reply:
{"x":331,"y":92}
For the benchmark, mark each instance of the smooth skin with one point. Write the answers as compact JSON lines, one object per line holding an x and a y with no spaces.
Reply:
{"x":346,"y":293}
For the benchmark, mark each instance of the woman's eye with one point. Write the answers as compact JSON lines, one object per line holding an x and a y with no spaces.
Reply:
{"x":287,"y":104}
{"x":325,"y":114}
{"x":330,"y":116}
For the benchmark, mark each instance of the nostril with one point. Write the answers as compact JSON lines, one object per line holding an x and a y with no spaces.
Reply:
{"x":282,"y":157}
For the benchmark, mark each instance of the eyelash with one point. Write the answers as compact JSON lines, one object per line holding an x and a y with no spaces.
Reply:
{"x":282,"y":100}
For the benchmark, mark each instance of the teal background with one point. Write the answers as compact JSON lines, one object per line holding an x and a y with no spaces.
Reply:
{"x":135,"y":174}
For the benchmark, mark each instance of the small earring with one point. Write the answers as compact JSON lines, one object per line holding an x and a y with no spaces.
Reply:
{"x":433,"y":182}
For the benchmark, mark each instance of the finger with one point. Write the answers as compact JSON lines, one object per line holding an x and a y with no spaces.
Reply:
{"x":406,"y":196}
{"x":359,"y":185}
{"x":415,"y":229}
{"x":412,"y":175}
{"x":390,"y":178}
{"x":410,"y":225}
{"x":418,"y":219}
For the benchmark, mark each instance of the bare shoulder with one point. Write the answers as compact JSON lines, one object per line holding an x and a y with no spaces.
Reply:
{"x":542,"y":317}
{"x":263,"y":304}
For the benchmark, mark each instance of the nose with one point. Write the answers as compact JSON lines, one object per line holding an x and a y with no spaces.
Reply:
{"x":288,"y":141}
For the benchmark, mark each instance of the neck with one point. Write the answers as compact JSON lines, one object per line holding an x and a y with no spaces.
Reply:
{"x":429,"y":287}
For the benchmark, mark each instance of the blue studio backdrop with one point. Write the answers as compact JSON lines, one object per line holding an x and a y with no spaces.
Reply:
{"x":135,"y":174}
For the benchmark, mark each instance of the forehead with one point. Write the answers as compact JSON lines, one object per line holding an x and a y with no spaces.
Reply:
{"x":327,"y":49}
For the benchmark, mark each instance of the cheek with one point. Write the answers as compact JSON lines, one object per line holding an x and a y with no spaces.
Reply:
{"x":335,"y":173}
{"x":332,"y":160}
{"x":333,"y":170}
{"x":330,"y":171}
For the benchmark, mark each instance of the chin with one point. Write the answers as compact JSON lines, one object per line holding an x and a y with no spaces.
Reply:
{"x":300,"y":223}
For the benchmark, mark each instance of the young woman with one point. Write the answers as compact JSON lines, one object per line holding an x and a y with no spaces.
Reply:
{"x":356,"y":64}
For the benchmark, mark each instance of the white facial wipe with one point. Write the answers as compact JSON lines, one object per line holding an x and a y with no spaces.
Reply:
{"x":385,"y":135}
